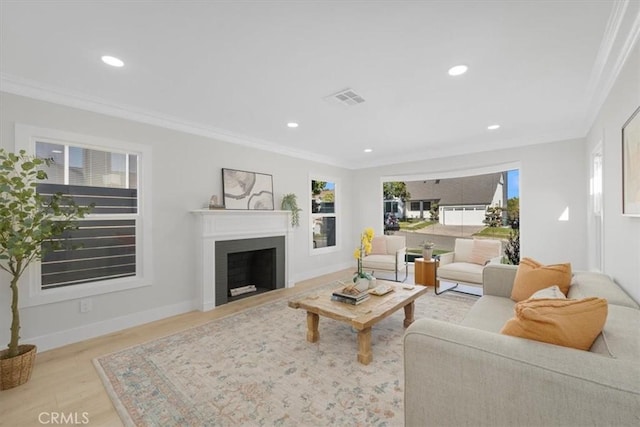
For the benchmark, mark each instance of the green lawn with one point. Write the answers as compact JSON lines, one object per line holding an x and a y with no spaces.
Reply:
{"x":499,"y":232}
{"x":414,"y":225}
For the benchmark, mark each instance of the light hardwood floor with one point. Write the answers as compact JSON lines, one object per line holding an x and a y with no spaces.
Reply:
{"x":65,"y":381}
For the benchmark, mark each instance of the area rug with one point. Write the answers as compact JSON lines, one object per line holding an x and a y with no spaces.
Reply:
{"x":255,"y":368}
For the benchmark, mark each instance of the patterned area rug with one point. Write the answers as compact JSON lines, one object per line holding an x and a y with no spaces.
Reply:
{"x":256,"y":368}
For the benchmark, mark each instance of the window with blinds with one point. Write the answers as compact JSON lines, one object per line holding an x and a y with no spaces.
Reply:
{"x":104,"y":245}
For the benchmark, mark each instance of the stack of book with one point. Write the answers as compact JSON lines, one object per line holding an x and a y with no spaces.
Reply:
{"x":350,"y":298}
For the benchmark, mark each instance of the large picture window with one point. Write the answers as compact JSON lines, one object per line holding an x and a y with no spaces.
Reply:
{"x":104,"y":247}
{"x":111,"y":249}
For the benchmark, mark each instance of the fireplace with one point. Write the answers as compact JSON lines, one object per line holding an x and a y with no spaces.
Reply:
{"x":240,"y":264}
{"x":223,"y":232}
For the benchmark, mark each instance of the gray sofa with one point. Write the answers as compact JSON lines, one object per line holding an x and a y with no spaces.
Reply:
{"x":472,"y":375}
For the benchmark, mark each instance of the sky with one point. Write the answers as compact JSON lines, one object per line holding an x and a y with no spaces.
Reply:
{"x":513,"y":183}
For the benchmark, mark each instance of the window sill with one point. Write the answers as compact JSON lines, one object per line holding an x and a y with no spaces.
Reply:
{"x":36,"y":296}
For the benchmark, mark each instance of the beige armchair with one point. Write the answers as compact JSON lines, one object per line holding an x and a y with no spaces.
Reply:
{"x":466,"y":263}
{"x":388,"y":253}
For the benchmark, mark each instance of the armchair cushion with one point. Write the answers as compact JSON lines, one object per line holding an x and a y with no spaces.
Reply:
{"x":394,"y":257}
{"x":395,"y":244}
{"x":467,"y":262}
{"x":379,"y":245}
{"x":484,"y":250}
{"x":465,"y":272}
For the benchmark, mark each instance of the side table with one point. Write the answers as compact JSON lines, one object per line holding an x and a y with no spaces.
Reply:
{"x":425,"y":271}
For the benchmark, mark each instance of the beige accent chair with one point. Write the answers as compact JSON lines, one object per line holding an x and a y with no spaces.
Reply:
{"x":466,"y":263}
{"x":388,"y":253}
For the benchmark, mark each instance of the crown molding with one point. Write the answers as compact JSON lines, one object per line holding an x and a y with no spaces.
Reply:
{"x":36,"y":90}
{"x":606,"y":70}
{"x":471,"y":148}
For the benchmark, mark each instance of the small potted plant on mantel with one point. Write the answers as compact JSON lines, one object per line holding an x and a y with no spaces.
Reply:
{"x":290,"y":203}
{"x":27,"y":220}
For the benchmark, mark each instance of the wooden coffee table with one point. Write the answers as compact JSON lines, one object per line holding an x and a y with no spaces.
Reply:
{"x":362,"y":316}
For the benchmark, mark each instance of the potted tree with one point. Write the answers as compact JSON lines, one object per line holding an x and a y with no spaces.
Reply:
{"x":27,"y":220}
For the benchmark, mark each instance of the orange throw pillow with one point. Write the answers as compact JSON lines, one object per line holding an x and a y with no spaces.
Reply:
{"x":569,"y":323}
{"x":532,"y":276}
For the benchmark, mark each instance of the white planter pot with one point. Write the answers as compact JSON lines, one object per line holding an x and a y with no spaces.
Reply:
{"x":362,"y":284}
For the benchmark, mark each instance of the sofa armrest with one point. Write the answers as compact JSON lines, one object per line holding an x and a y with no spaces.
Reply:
{"x":497,"y":279}
{"x":455,"y":375}
{"x":446,"y":258}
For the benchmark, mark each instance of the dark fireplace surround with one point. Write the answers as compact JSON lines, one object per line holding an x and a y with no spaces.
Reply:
{"x":254,"y":261}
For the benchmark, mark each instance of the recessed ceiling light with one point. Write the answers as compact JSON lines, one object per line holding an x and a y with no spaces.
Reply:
{"x":458,"y":70}
{"x":113,"y":61}
{"x":493,"y":127}
{"x":292,"y":125}
{"x":368,"y":150}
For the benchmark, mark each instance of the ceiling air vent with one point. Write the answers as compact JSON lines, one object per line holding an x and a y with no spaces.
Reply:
{"x":347,"y":97}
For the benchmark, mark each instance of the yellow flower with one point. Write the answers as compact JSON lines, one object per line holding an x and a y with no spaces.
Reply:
{"x":369,"y":233}
{"x":367,"y":248}
{"x":356,"y":253}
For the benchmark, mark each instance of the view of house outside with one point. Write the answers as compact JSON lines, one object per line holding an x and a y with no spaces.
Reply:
{"x":441,"y":210}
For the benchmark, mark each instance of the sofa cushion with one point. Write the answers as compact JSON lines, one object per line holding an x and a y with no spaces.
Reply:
{"x":533,"y":276}
{"x":489,"y":313}
{"x":461,"y":272}
{"x":588,"y":284}
{"x":569,"y":323}
{"x":552,"y":292}
{"x":620,"y":338}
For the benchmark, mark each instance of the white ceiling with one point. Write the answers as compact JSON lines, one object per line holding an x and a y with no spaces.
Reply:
{"x":239,"y":71}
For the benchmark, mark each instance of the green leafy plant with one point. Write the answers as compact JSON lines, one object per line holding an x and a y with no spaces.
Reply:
{"x":427,"y":245}
{"x":27,"y":220}
{"x":290,"y":203}
{"x":512,"y":247}
{"x":493,"y":216}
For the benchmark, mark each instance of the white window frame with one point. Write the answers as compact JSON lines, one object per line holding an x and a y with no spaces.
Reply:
{"x":337,"y":214}
{"x":26,"y":138}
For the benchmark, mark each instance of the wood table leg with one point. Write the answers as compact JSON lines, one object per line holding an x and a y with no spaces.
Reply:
{"x":312,"y":327}
{"x":408,"y":314}
{"x":365,"y":356}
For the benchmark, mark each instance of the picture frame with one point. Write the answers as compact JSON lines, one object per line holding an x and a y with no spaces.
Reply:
{"x":631,"y":165}
{"x":246,"y":190}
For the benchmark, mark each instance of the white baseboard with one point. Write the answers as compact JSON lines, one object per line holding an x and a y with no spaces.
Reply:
{"x":92,"y":330}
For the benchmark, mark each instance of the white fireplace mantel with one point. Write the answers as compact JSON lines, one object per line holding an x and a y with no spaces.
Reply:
{"x":215,"y":225}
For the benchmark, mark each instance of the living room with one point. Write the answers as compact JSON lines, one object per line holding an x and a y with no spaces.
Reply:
{"x":184,"y":160}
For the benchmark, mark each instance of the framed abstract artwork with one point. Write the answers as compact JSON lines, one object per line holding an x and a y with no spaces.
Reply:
{"x":631,"y":165}
{"x":247,"y":190}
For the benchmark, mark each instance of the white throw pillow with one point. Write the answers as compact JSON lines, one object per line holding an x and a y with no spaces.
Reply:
{"x":552,"y":292}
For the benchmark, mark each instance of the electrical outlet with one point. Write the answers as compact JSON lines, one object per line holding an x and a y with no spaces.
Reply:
{"x":85,"y":305}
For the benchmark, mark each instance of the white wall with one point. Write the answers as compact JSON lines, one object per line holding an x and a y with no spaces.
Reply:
{"x":621,"y":233}
{"x":552,"y":177}
{"x":186,"y":172}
